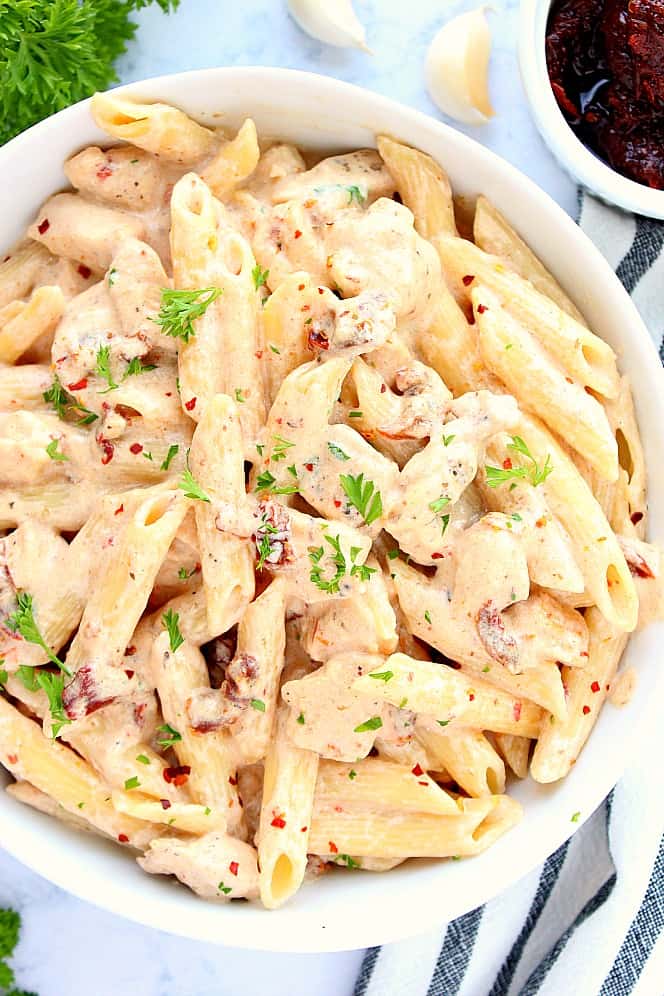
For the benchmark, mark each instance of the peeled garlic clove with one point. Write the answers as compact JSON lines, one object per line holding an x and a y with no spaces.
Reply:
{"x":457,"y":67}
{"x":331,"y":21}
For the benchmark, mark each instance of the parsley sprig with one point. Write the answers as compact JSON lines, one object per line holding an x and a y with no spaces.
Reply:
{"x":23,"y":621}
{"x":169,"y":736}
{"x":437,"y":507}
{"x":363,"y":496}
{"x":533,"y":473}
{"x":190,"y":485}
{"x":259,"y":276}
{"x":180,"y":308}
{"x":171,"y":622}
{"x":64,"y":404}
{"x":316,"y":554}
{"x":53,"y":686}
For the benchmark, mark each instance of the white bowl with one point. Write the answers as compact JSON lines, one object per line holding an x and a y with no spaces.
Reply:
{"x":351,"y":910}
{"x":571,"y":153}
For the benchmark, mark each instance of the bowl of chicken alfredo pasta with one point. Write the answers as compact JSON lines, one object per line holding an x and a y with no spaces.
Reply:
{"x":330,"y":576}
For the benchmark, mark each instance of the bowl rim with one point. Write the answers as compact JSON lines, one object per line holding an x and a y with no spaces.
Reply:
{"x":289,"y":930}
{"x":569,"y":150}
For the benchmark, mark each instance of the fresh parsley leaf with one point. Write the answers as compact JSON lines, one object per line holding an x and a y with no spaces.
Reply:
{"x":300,"y":719}
{"x":53,"y":686}
{"x":374,"y":723}
{"x":352,"y":774}
{"x":143,"y":759}
{"x":355,"y":414}
{"x":64,"y":404}
{"x":576,"y":817}
{"x":224,"y":888}
{"x":170,"y":736}
{"x":4,"y":675}
{"x":274,"y":349}
{"x":103,"y":368}
{"x":345,"y":859}
{"x":180,"y":308}
{"x":382,"y":675}
{"x":23,"y":621}
{"x":239,"y":397}
{"x":355,"y":194}
{"x":331,"y":584}
{"x":171,"y":622}
{"x":52,"y":450}
{"x":190,"y":485}
{"x":361,"y":496}
{"x":439,"y":504}
{"x":258,"y":705}
{"x":266,"y":482}
{"x":337,"y":452}
{"x":362,"y":571}
{"x":448,"y":439}
{"x":443,"y":722}
{"x":136,"y":367}
{"x":427,"y":616}
{"x":132,"y":783}
{"x":280,"y":448}
{"x":533,"y":473}
{"x":173,"y":450}
{"x":393,"y":553}
{"x":259,"y":276}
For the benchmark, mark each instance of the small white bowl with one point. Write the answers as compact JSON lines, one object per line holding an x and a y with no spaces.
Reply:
{"x":571,"y":153}
{"x":360,"y":909}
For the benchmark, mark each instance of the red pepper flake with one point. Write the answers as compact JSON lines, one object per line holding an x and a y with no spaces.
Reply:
{"x":84,"y":270}
{"x":233,"y":867}
{"x":168,"y":394}
{"x":165,"y":803}
{"x":259,"y":354}
{"x":123,"y":838}
{"x":337,"y":503}
{"x":595,"y":686}
{"x":80,"y":385}
{"x":231,"y":780}
{"x":636,"y":518}
{"x":507,"y":464}
{"x":309,"y":467}
{"x":467,"y":280}
{"x":471,"y":696}
{"x":333,"y":847}
{"x":300,"y":287}
{"x":43,"y":226}
{"x":104,"y":172}
{"x":303,"y":829}
{"x":383,"y":388}
{"x":481,"y":308}
{"x":190,"y":405}
{"x":418,"y":770}
{"x":437,"y":556}
{"x":541,"y":521}
{"x":423,"y":783}
{"x":321,"y":290}
{"x":136,"y":448}
{"x":108,"y":449}
{"x":279,"y":822}
{"x":12,"y":758}
{"x":584,"y":653}
{"x":130,"y":674}
{"x":516,"y":711}
{"x":178,"y":775}
{"x":298,"y":233}
{"x":130,"y":651}
{"x":586,"y":710}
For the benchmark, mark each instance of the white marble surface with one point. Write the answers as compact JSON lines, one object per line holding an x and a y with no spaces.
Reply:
{"x":69,"y":948}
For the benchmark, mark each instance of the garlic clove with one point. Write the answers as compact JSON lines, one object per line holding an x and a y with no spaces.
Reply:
{"x":457,"y":67}
{"x":331,"y":21}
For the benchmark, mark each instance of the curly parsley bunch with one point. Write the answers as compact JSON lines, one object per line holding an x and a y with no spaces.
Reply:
{"x":55,"y":52}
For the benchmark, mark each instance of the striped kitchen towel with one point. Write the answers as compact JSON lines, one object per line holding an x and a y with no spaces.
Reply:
{"x":590,"y":920}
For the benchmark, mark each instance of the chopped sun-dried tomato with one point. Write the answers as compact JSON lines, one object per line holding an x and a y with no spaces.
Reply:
{"x":79,"y":385}
{"x":333,"y":847}
{"x":279,"y":822}
{"x":233,"y":867}
{"x":418,"y":770}
{"x":190,"y":405}
{"x":136,"y":448}
{"x":43,"y":226}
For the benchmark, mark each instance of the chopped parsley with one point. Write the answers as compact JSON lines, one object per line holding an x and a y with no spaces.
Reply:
{"x":443,"y":722}
{"x":143,"y":759}
{"x":436,"y":507}
{"x":180,"y":308}
{"x":280,"y":448}
{"x":274,"y":349}
{"x":266,"y":482}
{"x":170,"y":736}
{"x":171,"y":622}
{"x":53,"y":686}
{"x":300,"y":719}
{"x":173,"y":450}
{"x":224,"y":888}
{"x":264,"y":543}
{"x":576,"y":817}
{"x":352,"y":774}
{"x":64,"y":404}
{"x":184,"y":574}
{"x":103,"y":368}
{"x":355,"y":194}
{"x":382,"y":675}
{"x":533,"y":473}
{"x":393,"y":553}
{"x":258,"y":705}
{"x":136,"y":367}
{"x":427,"y":616}
{"x":259,"y":276}
{"x":448,"y":439}
{"x":331,"y":584}
{"x":132,"y":783}
{"x":52,"y":450}
{"x":337,"y":452}
{"x":239,"y":397}
{"x":356,"y":414}
{"x":361,"y":495}
{"x":190,"y":485}
{"x":345,"y":859}
{"x":23,"y":621}
{"x":374,"y":723}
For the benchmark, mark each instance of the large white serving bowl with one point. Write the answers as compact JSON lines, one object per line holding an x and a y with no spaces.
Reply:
{"x":351,"y":910}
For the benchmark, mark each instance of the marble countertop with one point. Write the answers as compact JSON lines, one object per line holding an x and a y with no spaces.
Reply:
{"x":69,"y":948}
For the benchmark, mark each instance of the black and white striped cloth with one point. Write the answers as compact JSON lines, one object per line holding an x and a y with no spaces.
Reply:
{"x":590,"y":920}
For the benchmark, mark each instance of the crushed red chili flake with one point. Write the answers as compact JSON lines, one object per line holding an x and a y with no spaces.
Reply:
{"x":130,"y":674}
{"x":383,"y":388}
{"x":43,"y":226}
{"x":481,"y":308}
{"x":190,"y":405}
{"x":337,"y":503}
{"x":79,"y":385}
{"x":279,"y":822}
{"x":418,"y":770}
{"x":104,"y":172}
{"x":423,"y":783}
{"x":12,"y":758}
{"x":516,"y":711}
{"x":300,"y":287}
{"x":321,"y":290}
{"x":233,"y":867}
{"x":178,"y":775}
{"x":165,"y":803}
{"x":259,"y":354}
{"x":298,"y":233}
{"x":467,"y":280}
{"x":232,"y":781}
{"x":586,"y":710}
{"x":136,"y":448}
{"x":130,"y":651}
{"x":108,"y":449}
{"x":119,"y":510}
{"x":595,"y":686}
{"x":636,"y":518}
{"x":84,"y":270}
{"x":303,"y":829}
{"x":507,"y":464}
{"x":437,"y":556}
{"x":471,"y":696}
{"x":333,"y":847}
{"x":123,"y":838}
{"x":309,"y":466}
{"x":541,"y":522}
{"x":584,"y":653}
